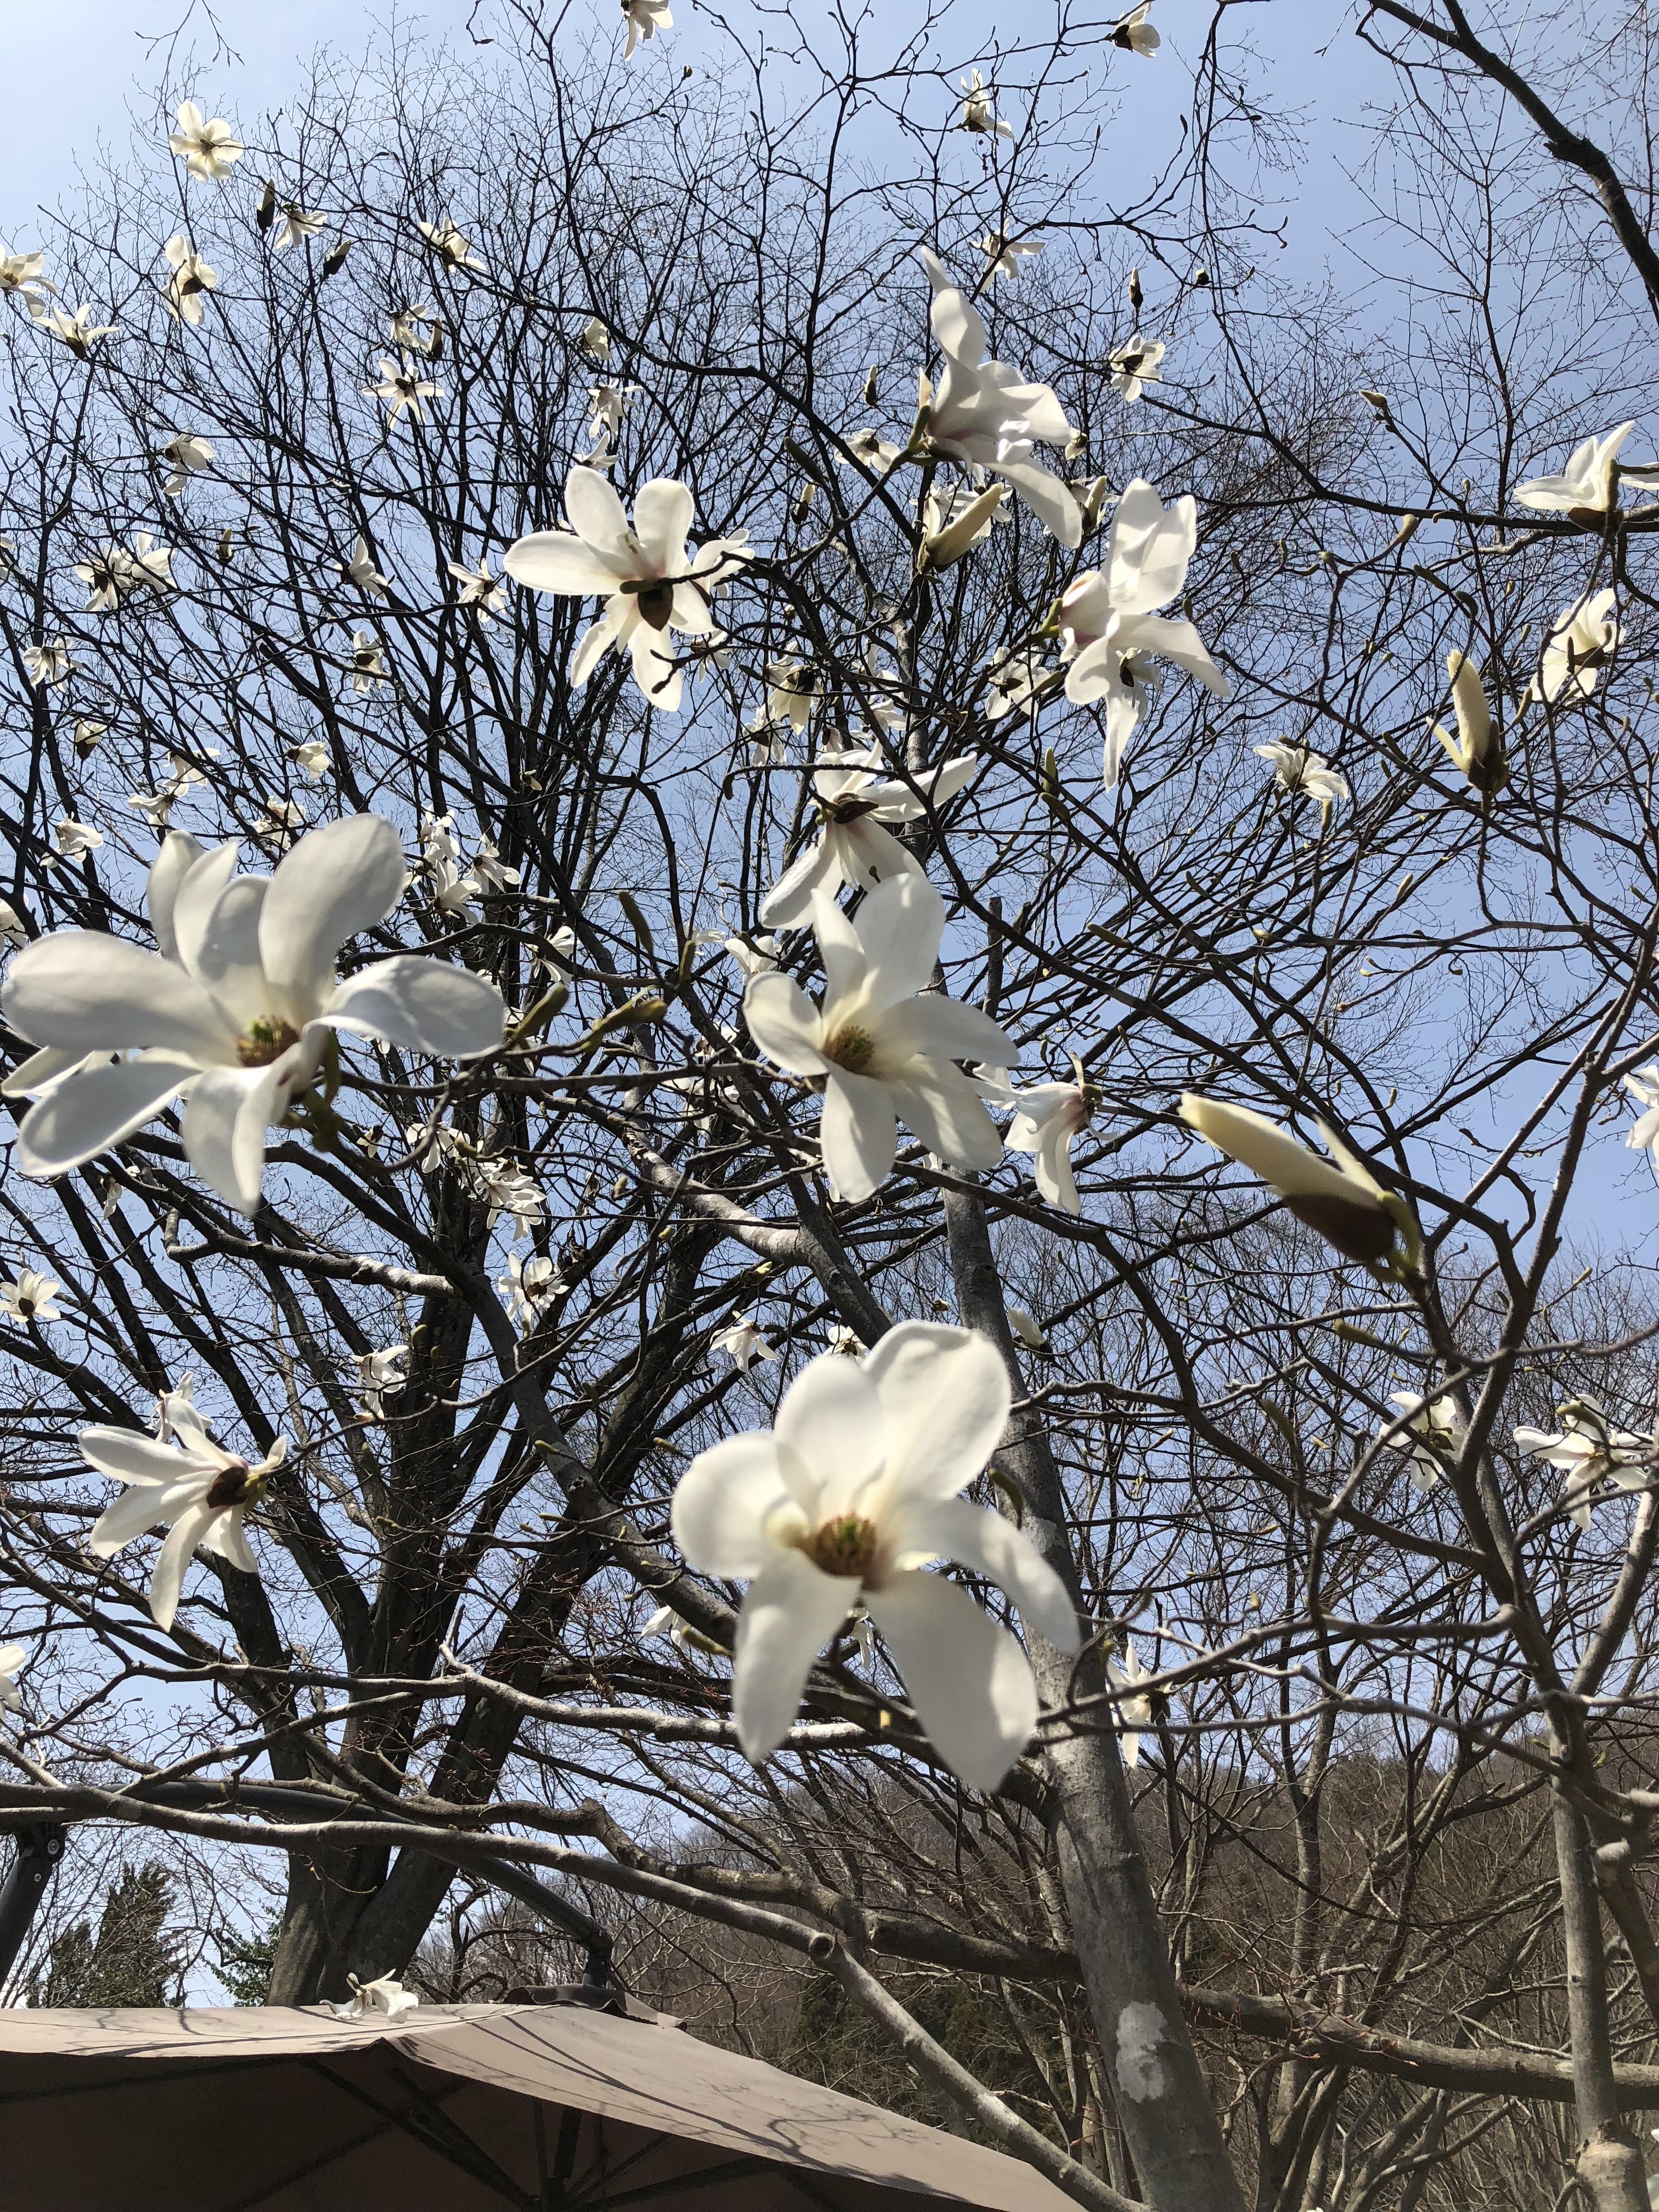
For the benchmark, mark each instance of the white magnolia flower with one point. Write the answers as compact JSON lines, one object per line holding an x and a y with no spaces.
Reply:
{"x":1299,"y":770}
{"x":380,"y":1377}
{"x":235,"y":1011}
{"x":211,"y":149}
{"x":508,"y":1190}
{"x":1476,"y":751}
{"x":1109,"y":633}
{"x":885,"y":1045}
{"x":954,"y":522}
{"x":744,"y":1340}
{"x":360,"y":570}
{"x":1583,"y":640}
{"x":1133,"y":1705}
{"x":30,"y":1298}
{"x":313,"y":757}
{"x":1340,"y":1197}
{"x":1135,"y":34}
{"x":479,"y":590}
{"x":1005,"y":250}
{"x":845,"y":1343}
{"x":844,"y":1502}
{"x":22,"y":274}
{"x":385,"y":1996}
{"x":12,"y":931}
{"x":1018,"y":678}
{"x":77,"y":331}
{"x":447,"y":241}
{"x":190,"y":280}
{"x":1644,"y":1085}
{"x":88,"y":735}
{"x":609,"y":404}
{"x":281,"y":818}
{"x":367,"y":663}
{"x":1433,"y":1435}
{"x":1135,"y":366}
{"x":1588,"y":487}
{"x":402,"y":387}
{"x":438,"y":838}
{"x":453,"y":893}
{"x":201,"y":1491}
{"x":75,"y":839}
{"x":490,"y":871}
{"x":983,"y":416}
{"x":651,"y":581}
{"x":156,"y":807}
{"x":768,"y":750}
{"x":1587,"y":1450}
{"x":644,"y":19}
{"x":408,"y":323}
{"x":298,"y":223}
{"x":187,"y":455}
{"x":176,"y":1408}
{"x":116,"y":574}
{"x":527,"y":1285}
{"x":978,"y":113}
{"x":1029,"y":1331}
{"x":854,"y":848}
{"x":1048,"y":1118}
{"x":793,"y":688}
{"x":875,"y":452}
{"x":596,"y":339}
{"x":757,"y":959}
{"x":12,"y":1656}
{"x":47,"y":663}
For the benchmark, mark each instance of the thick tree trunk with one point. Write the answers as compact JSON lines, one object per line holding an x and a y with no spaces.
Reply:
{"x":1609,"y":2162}
{"x":1164,"y":2102}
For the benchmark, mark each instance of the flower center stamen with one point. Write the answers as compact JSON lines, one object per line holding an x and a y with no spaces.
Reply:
{"x":236,"y":1486}
{"x":846,"y":1546}
{"x":265,"y":1040}
{"x":851,"y":1048}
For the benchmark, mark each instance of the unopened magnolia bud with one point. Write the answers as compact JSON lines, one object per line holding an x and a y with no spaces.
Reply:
{"x":945,"y":547}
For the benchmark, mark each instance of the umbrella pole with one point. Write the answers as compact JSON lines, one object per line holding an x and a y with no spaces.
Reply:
{"x":38,"y":1849}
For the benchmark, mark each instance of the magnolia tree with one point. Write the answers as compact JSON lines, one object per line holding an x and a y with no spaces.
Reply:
{"x":826,"y":968}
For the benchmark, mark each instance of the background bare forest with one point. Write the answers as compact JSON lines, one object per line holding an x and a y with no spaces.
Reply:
{"x":1383,"y":1805}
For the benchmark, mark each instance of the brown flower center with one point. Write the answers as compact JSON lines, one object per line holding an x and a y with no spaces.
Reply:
{"x":656,"y":605}
{"x":237,"y":1485}
{"x":851,"y":1048}
{"x":846,"y":1546}
{"x":265,"y":1040}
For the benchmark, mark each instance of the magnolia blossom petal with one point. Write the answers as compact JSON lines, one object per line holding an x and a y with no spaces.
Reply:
{"x":178,"y":856}
{"x":168,"y":1582}
{"x":942,"y":1108}
{"x":1149,"y":548}
{"x":723,"y":1505}
{"x":91,"y":1112}
{"x":1048,"y":498}
{"x":129,"y":1455}
{"x":614,"y":627}
{"x":228,"y":1112}
{"x":129,"y":1516}
{"x":789,"y":902}
{"x":948,"y":1029}
{"x":662,"y":521}
{"x":859,"y":1133}
{"x":952,"y":1528}
{"x":335,"y":883}
{"x":422,"y":1005}
{"x":226,"y":1536}
{"x":791,"y":1612}
{"x":967,"y":1678}
{"x":86,"y":992}
{"x":555,"y":561}
{"x":597,"y":515}
{"x":42,"y":1068}
{"x":946,"y":1396}
{"x":868,"y":855}
{"x":832,"y":1419}
{"x":899,"y":926}
{"x":784,"y":1023}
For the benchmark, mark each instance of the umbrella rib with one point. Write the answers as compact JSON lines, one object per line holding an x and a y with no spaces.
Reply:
{"x":474,"y":2162}
{"x":706,"y":2177}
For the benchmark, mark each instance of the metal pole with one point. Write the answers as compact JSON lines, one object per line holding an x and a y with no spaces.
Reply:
{"x":38,"y":1849}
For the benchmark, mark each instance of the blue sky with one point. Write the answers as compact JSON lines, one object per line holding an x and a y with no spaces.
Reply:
{"x":87,"y":65}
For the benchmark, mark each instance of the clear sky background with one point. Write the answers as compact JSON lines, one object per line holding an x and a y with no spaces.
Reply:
{"x":83,"y":73}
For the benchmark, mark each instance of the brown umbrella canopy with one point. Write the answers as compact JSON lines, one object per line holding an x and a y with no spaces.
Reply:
{"x":547,"y":2107}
